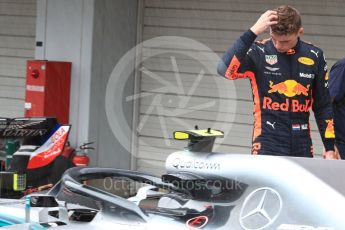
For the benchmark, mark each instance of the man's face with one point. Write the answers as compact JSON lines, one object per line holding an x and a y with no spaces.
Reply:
{"x":285,"y":42}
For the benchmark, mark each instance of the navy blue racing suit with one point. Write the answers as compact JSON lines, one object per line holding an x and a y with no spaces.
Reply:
{"x":337,"y":91}
{"x":285,"y":86}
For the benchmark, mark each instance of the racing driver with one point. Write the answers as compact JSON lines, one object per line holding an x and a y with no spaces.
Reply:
{"x":288,"y":77}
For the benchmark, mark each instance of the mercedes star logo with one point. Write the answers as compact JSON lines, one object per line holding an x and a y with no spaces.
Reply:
{"x":260,"y":209}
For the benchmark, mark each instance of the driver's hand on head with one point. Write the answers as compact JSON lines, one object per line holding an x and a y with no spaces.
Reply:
{"x":330,"y":155}
{"x":266,"y":20}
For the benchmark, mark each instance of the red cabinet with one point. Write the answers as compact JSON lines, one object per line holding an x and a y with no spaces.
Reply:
{"x":47,"y":91}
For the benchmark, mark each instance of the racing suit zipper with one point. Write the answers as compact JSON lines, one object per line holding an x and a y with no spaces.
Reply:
{"x":293,"y":78}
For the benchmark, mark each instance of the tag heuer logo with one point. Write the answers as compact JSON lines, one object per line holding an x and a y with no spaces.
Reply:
{"x":271,"y":59}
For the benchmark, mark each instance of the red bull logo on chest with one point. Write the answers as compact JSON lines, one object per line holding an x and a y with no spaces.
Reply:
{"x":289,"y":88}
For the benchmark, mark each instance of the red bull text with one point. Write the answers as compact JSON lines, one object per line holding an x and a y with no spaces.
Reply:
{"x":293,"y":106}
{"x":289,"y":88}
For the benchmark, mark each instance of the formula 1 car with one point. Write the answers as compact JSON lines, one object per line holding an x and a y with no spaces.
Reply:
{"x":201,"y":190}
{"x":39,"y":160}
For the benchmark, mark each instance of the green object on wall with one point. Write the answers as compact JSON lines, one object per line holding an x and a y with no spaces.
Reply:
{"x":11,"y":147}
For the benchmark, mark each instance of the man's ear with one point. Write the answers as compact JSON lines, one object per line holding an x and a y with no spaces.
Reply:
{"x":300,"y":31}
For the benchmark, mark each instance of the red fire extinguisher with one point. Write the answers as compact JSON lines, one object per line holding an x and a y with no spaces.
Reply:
{"x":68,"y":151}
{"x":80,"y":158}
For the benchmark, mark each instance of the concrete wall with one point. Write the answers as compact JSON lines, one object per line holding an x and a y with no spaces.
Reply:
{"x":115,"y":25}
{"x":65,"y":27}
{"x":93,"y":35}
{"x":17,"y":45}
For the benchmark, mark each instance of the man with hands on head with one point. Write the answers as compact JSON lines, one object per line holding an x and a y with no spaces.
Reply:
{"x":288,"y":77}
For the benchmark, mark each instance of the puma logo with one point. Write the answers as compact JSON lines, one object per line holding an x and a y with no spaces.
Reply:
{"x":269,"y":123}
{"x":262,"y":49}
{"x":316,"y":53}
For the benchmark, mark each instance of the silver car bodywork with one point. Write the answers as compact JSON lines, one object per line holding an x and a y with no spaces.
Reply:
{"x":201,"y":190}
